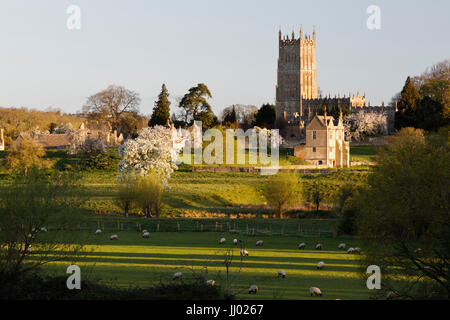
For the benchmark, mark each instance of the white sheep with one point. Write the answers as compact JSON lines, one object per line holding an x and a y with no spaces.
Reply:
{"x":235,"y":241}
{"x":114,"y":237}
{"x":357,"y":250}
{"x":43,"y":229}
{"x":320,"y":265}
{"x":144,"y":231}
{"x":177,"y":275}
{"x":281,"y":273}
{"x":253,"y":289}
{"x":341,"y":246}
{"x":351,"y":250}
{"x":222,"y":240}
{"x":315,"y":291}
{"x":259,"y":243}
{"x":210,"y":283}
{"x":244,"y":252}
{"x":319,"y":246}
{"x":98,"y":231}
{"x":146,"y":235}
{"x":302,"y":245}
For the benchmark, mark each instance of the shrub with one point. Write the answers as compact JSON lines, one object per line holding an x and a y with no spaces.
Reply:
{"x":282,"y":190}
{"x":102,"y":161}
{"x":127,"y":193}
{"x":149,"y":193}
{"x":25,"y":153}
{"x":37,"y":287}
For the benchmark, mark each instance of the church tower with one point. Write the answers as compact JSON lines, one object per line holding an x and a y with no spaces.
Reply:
{"x":296,"y":74}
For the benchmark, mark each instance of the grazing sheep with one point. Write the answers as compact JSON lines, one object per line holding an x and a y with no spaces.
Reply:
{"x":144,"y":231}
{"x":244,"y":252}
{"x":114,"y":237}
{"x":315,"y":291}
{"x":341,"y":246}
{"x":210,"y":283}
{"x":319,"y":246}
{"x":98,"y":231}
{"x":177,"y":275}
{"x":281,"y":273}
{"x":259,"y":243}
{"x":43,"y":229}
{"x":222,"y":240}
{"x":235,"y":241}
{"x":146,"y":235}
{"x":253,"y":289}
{"x":320,"y":265}
{"x":351,"y":250}
{"x":357,"y":251}
{"x":302,"y":245}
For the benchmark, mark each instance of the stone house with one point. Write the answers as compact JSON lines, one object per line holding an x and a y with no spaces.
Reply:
{"x":2,"y":140}
{"x":325,"y":142}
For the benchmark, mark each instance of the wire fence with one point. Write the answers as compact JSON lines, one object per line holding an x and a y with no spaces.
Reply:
{"x":268,"y":228}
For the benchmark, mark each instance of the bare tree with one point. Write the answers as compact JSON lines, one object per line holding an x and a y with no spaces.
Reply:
{"x":111,"y":103}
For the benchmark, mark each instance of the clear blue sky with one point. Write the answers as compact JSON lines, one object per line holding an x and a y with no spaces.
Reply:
{"x":229,"y":45}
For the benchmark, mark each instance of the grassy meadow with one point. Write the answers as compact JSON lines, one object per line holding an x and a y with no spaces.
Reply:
{"x":198,"y":209}
{"x":132,"y":261}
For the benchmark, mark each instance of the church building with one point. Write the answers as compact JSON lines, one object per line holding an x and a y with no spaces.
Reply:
{"x":297,"y":92}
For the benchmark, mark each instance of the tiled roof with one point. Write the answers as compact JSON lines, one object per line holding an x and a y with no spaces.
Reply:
{"x":54,"y":140}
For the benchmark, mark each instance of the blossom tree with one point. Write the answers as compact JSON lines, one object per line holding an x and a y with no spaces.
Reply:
{"x":76,"y":139}
{"x":151,"y":152}
{"x":361,"y":124}
{"x":81,"y":142}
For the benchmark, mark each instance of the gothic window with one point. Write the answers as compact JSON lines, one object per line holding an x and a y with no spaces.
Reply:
{"x":314,"y":136}
{"x":314,"y":149}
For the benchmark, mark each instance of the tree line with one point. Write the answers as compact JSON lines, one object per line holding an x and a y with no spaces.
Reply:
{"x":424,"y":101}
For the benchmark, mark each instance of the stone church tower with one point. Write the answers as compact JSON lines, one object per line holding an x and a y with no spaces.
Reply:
{"x":297,"y":73}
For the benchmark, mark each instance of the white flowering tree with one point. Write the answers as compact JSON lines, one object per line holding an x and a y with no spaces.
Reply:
{"x":81,"y":142}
{"x":93,"y":145}
{"x":361,"y":124}
{"x":76,"y":139}
{"x":152,"y":151}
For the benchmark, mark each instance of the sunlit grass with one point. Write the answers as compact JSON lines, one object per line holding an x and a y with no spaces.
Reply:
{"x":134,"y":261}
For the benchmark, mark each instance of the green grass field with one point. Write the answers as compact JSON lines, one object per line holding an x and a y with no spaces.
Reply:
{"x":202,"y":192}
{"x":363,"y":153}
{"x":134,"y":261}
